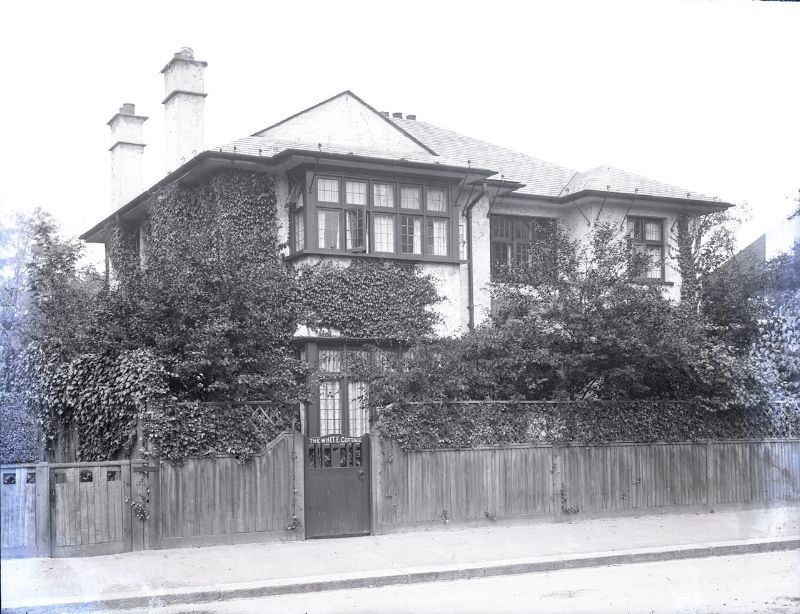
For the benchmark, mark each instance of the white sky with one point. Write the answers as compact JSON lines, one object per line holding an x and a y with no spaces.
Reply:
{"x":704,"y":95}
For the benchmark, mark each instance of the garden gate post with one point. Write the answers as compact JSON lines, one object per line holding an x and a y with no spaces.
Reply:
{"x":43,"y":509}
{"x":298,"y":474}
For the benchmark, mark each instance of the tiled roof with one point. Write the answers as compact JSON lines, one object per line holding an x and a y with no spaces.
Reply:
{"x":540,"y":178}
{"x":616,"y":180}
{"x":267,"y":147}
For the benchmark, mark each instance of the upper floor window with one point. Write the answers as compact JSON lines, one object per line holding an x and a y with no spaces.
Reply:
{"x":647,"y":236}
{"x":512,"y":238}
{"x":328,"y":190}
{"x":382,"y":217}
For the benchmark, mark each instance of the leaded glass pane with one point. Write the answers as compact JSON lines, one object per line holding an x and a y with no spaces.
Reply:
{"x":330,"y":420}
{"x":328,"y":236}
{"x":356,"y":192}
{"x":437,"y":237}
{"x":410,"y":197}
{"x":410,"y":235}
{"x":358,"y":415}
{"x":383,"y":194}
{"x":328,"y":190}
{"x":384,"y":233}
{"x":436,"y":200}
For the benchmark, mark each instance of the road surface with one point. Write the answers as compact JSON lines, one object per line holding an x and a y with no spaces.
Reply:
{"x":744,"y":583}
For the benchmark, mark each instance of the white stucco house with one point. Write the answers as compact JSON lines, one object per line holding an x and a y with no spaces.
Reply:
{"x":355,"y":182}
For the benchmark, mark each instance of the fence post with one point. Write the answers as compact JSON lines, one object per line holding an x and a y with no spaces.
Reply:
{"x":152,"y":525}
{"x":137,"y":526}
{"x":297,"y":458}
{"x":557,"y":469}
{"x":43,"y":509}
{"x":375,"y":495}
{"x":711,"y":476}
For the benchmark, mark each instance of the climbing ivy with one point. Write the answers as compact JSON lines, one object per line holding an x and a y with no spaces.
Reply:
{"x":369,"y":299}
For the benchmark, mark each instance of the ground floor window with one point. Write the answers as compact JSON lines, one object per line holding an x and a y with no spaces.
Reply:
{"x":339,"y":406}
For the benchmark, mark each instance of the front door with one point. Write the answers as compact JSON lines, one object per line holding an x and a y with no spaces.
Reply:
{"x":337,"y":486}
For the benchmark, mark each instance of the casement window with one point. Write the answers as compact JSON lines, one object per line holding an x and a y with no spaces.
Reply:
{"x":298,"y":229}
{"x":437,"y":236}
{"x":647,"y":236}
{"x":381,"y":217}
{"x":511,"y":238}
{"x":410,"y":234}
{"x":328,"y":229}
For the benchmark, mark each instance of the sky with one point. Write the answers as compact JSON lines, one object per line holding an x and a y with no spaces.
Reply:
{"x":704,"y":95}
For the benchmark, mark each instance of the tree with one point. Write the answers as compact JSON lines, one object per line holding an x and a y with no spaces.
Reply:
{"x":701,"y":244}
{"x":574,"y":322}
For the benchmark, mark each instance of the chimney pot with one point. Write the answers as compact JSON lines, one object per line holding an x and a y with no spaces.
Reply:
{"x":385,"y":113}
{"x":413,"y":117}
{"x":397,"y":115}
{"x":128,"y":108}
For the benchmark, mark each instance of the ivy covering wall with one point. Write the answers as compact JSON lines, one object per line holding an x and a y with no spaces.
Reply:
{"x":369,"y":299}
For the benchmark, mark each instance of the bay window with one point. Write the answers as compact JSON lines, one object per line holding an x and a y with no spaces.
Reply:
{"x":382,"y":217}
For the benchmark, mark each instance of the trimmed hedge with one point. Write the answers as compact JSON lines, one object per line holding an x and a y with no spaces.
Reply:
{"x":470,"y":424}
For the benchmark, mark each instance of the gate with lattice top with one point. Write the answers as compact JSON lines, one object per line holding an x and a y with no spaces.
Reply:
{"x":337,"y":486}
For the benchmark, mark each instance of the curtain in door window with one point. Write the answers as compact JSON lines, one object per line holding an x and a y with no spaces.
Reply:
{"x":357,"y":410}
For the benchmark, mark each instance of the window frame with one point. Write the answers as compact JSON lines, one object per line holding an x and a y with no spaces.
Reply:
{"x":397,"y":211}
{"x":511,"y":242}
{"x":344,"y":379}
{"x":649,"y":243}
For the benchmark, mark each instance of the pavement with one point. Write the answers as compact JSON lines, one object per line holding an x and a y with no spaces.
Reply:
{"x":158,"y":578}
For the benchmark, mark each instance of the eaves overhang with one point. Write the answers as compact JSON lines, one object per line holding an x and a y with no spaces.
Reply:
{"x":287,"y":159}
{"x":712,"y":205}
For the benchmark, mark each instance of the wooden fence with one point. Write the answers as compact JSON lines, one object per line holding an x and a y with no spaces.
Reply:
{"x":529,"y":482}
{"x":79,"y":509}
{"x":70,"y":509}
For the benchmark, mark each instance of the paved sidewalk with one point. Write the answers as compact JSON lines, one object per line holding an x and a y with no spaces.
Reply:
{"x":193,"y":575}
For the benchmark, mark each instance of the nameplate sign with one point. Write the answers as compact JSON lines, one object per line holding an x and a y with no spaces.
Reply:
{"x":334,"y":439}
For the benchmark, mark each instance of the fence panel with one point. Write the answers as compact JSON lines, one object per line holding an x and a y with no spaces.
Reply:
{"x":88,"y":513}
{"x":430,"y":486}
{"x":755,"y":472}
{"x":632,"y":476}
{"x":20,"y":519}
{"x":221,"y":500}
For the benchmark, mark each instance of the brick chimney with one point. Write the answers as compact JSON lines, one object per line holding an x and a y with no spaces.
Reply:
{"x":127,"y":149}
{"x":183,"y":107}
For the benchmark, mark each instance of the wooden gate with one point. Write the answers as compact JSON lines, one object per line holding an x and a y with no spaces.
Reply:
{"x":88,"y":512}
{"x":337,"y":486}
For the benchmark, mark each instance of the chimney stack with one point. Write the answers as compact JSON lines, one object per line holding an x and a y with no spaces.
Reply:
{"x":127,"y":149}
{"x":183,"y":107}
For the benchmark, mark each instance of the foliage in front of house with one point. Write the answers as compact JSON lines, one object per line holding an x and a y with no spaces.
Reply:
{"x":574,"y":327}
{"x":369,"y":299}
{"x":457,"y":424}
{"x":192,"y":429}
{"x":209,"y":316}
